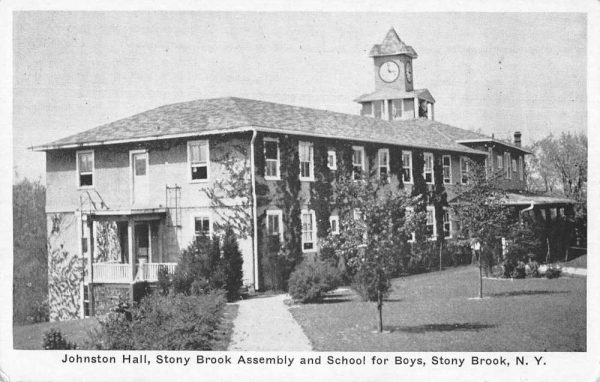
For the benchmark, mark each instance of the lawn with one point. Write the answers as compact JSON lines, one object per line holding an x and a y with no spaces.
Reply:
{"x":29,"y":337}
{"x":433,"y":312}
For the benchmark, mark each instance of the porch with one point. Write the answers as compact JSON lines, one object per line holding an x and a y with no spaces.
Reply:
{"x":126,"y":247}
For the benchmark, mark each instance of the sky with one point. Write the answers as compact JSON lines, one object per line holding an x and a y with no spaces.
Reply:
{"x":492,"y":72}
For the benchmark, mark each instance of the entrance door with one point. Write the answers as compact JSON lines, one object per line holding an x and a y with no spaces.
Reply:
{"x":142,"y":242}
{"x":139,"y":182}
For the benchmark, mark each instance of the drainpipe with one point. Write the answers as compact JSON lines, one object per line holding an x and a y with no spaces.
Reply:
{"x":254,"y":218}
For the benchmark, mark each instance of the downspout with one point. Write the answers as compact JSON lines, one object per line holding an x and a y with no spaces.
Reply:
{"x":530,"y":208}
{"x":254,"y":218}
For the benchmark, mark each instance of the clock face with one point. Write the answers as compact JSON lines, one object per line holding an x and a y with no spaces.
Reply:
{"x":389,"y":71}
{"x":408,"y":68}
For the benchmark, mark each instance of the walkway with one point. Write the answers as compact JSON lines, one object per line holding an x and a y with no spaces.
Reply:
{"x":264,"y":323}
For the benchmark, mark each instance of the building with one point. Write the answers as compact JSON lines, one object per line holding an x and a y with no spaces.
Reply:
{"x":123,"y":199}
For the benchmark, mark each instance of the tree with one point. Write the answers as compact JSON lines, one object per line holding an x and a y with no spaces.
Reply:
{"x":483,"y":214}
{"x":232,"y":264}
{"x":30,"y":271}
{"x":375,"y":229}
{"x":560,"y":166}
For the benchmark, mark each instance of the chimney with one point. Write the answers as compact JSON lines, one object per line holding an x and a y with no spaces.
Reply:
{"x":517,"y":136}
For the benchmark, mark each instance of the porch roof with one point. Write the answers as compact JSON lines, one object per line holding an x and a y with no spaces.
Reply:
{"x":131,"y":212}
{"x":527,"y":199}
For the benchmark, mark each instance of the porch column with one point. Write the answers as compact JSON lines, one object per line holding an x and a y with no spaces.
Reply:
{"x":91,"y":303}
{"x":430,"y":111}
{"x":130,"y":247}
{"x":416,"y":107}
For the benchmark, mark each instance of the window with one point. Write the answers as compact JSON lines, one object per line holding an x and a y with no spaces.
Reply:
{"x":499,"y":162}
{"x":464,"y":170}
{"x":202,"y":226}
{"x":356,"y":214}
{"x":407,"y":167}
{"x":85,"y":168}
{"x":521,"y":168}
{"x":384,"y":164}
{"x":409,"y":213}
{"x":274,"y":224}
{"x":332,"y":160}
{"x":430,"y":223}
{"x":396,"y":109}
{"x":428,"y":167}
{"x":334,"y":225}
{"x":198,"y":160}
{"x":358,"y":162}
{"x":305,"y":150}
{"x":507,"y":172}
{"x":367,"y":109}
{"x":447,"y":225}
{"x":514,"y":166}
{"x":308,"y":231}
{"x":447,"y":168}
{"x":271,"y":158}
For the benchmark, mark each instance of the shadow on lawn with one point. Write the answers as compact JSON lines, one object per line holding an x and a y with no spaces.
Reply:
{"x":526,"y":293}
{"x":439,"y":327}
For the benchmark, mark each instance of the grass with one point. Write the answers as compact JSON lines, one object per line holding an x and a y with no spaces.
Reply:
{"x":29,"y":337}
{"x":433,"y":312}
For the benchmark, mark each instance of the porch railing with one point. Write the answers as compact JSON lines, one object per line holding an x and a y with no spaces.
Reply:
{"x":149,"y":271}
{"x":112,"y":273}
{"x":122,"y":273}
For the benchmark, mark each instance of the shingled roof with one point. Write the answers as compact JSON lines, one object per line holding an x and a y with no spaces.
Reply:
{"x":392,"y":45}
{"x":223,"y":115}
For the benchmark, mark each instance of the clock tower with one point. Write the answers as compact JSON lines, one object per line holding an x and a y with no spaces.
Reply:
{"x":395,"y":97}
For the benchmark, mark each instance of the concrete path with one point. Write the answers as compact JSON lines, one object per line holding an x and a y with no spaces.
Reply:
{"x":264,"y":323}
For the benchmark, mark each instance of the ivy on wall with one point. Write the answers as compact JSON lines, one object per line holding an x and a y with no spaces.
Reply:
{"x":396,"y":165}
{"x":321,"y":191}
{"x":438,"y":196}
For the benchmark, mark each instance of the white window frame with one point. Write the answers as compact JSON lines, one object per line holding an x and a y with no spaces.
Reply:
{"x":521,"y":168}
{"x":464,"y":176}
{"x":449,"y":169}
{"x":205,"y":215}
{"x":336,"y":219}
{"x":279,"y":215}
{"x":514,"y":165}
{"x":278,"y":161}
{"x":311,"y":162}
{"x":499,"y":160}
{"x":190,"y":164}
{"x":507,"y":168}
{"x":409,"y":167}
{"x":449,"y":222}
{"x":413,"y":236}
{"x":387,"y":166}
{"x":77,"y":153}
{"x":362,"y":165}
{"x":432,"y":209}
{"x":332,"y":153}
{"x":314,"y":231}
{"x":425,"y":156}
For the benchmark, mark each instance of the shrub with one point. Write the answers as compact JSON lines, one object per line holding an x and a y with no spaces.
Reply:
{"x":173,"y":322}
{"x":553,"y":272}
{"x":164,"y":280}
{"x":54,"y":340}
{"x":532,"y":269}
{"x":367,"y":284}
{"x":312,"y":279}
{"x":40,"y":312}
{"x":232,"y":264}
{"x":199,"y":265}
{"x":518,"y":271}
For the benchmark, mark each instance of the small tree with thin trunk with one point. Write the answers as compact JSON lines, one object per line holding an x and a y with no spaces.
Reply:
{"x":375,"y":228}
{"x":484,"y":215}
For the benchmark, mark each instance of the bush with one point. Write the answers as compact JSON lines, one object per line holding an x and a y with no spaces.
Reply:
{"x":199,"y":265}
{"x":367,"y":284}
{"x":232,"y":265}
{"x":164,"y":280}
{"x":553,"y":272}
{"x":518,"y":271}
{"x":54,"y":340}
{"x":312,"y":279}
{"x":532,"y":268}
{"x":174,"y":322}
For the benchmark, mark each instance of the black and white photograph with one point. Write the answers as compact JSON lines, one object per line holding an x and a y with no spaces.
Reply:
{"x":303,"y":193}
